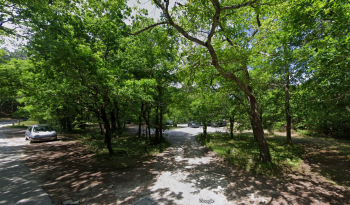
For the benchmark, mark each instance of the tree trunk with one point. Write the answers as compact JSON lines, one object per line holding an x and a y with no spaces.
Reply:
{"x":69,"y":124}
{"x":251,"y":121}
{"x":149,"y":127}
{"x":156,"y":135}
{"x":140,"y":120}
{"x":205,"y":129}
{"x":232,"y":122}
{"x":144,"y":116}
{"x":107,"y":130}
{"x":101,"y":128}
{"x":99,"y":120}
{"x":161,"y":123}
{"x":257,"y":126}
{"x":160,"y":128}
{"x":113,"y":120}
{"x":63,"y":123}
{"x":118,"y":119}
{"x":287,"y":105}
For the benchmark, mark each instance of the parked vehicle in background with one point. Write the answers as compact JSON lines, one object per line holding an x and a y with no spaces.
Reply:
{"x":218,"y":124}
{"x":194,"y":125}
{"x":40,"y":133}
{"x":221,"y":124}
{"x":190,"y":123}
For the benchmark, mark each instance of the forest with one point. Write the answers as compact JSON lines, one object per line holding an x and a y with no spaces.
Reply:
{"x":258,"y":64}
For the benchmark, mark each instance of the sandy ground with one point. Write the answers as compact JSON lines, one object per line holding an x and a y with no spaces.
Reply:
{"x":186,"y":173}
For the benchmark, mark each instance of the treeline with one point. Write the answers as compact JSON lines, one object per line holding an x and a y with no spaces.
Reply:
{"x":263,"y":64}
{"x":84,"y":67}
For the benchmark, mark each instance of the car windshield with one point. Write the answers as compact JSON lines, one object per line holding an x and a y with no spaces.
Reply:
{"x":45,"y":128}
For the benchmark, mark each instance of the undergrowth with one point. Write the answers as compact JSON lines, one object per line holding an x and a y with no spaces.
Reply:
{"x":244,"y":152}
{"x":129,"y":150}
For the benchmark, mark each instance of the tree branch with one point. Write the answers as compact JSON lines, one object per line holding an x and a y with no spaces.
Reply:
{"x":216,"y":18}
{"x":148,"y":27}
{"x":177,"y":27}
{"x":237,"y":6}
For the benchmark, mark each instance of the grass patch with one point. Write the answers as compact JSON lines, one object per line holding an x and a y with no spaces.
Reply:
{"x":244,"y":152}
{"x":17,"y":126}
{"x":129,"y":150}
{"x":23,"y":124}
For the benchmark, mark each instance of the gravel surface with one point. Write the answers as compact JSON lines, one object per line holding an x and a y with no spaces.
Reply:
{"x":185,"y":173}
{"x":18,"y":185}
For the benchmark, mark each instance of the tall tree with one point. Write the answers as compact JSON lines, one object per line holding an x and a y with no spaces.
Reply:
{"x":228,"y":31}
{"x":76,"y":44}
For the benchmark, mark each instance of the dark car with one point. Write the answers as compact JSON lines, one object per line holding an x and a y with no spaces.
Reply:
{"x":194,"y":125}
{"x":221,"y":124}
{"x":190,"y":123}
{"x":40,"y":133}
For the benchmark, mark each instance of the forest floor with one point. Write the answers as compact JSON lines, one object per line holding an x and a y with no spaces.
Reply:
{"x":187,"y":173}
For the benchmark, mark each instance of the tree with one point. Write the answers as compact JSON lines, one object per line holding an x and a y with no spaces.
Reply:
{"x":320,"y":32}
{"x":75,"y":46}
{"x":230,"y":38}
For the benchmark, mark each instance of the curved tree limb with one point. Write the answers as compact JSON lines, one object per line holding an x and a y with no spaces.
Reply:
{"x":177,"y":27}
{"x":148,"y":27}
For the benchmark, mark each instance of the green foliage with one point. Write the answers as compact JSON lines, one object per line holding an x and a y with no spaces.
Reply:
{"x":243,"y":152}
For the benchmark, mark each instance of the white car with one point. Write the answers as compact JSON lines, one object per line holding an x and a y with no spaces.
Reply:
{"x":40,"y":133}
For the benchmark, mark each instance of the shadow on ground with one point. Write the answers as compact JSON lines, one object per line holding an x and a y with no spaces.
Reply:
{"x":17,"y":184}
{"x":69,"y":171}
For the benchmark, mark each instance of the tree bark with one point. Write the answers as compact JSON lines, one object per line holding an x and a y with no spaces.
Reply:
{"x":69,"y":124}
{"x":107,"y":130}
{"x":113,"y":120}
{"x":205,"y":129}
{"x":287,"y":105}
{"x":101,"y":128}
{"x":161,"y":123}
{"x":251,"y":121}
{"x":232,"y":122}
{"x":140,"y":120}
{"x":149,"y":127}
{"x":120,"y":130}
{"x":156,"y":135}
{"x":257,"y":126}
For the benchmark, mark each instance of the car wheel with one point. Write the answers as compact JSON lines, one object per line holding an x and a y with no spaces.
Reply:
{"x":25,"y":137}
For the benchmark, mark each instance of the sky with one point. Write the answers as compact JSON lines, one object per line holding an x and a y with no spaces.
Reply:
{"x":11,"y":44}
{"x":153,"y":12}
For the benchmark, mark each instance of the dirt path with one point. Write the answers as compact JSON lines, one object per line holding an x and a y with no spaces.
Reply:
{"x":189,"y":172}
{"x":18,"y":185}
{"x":186,"y":173}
